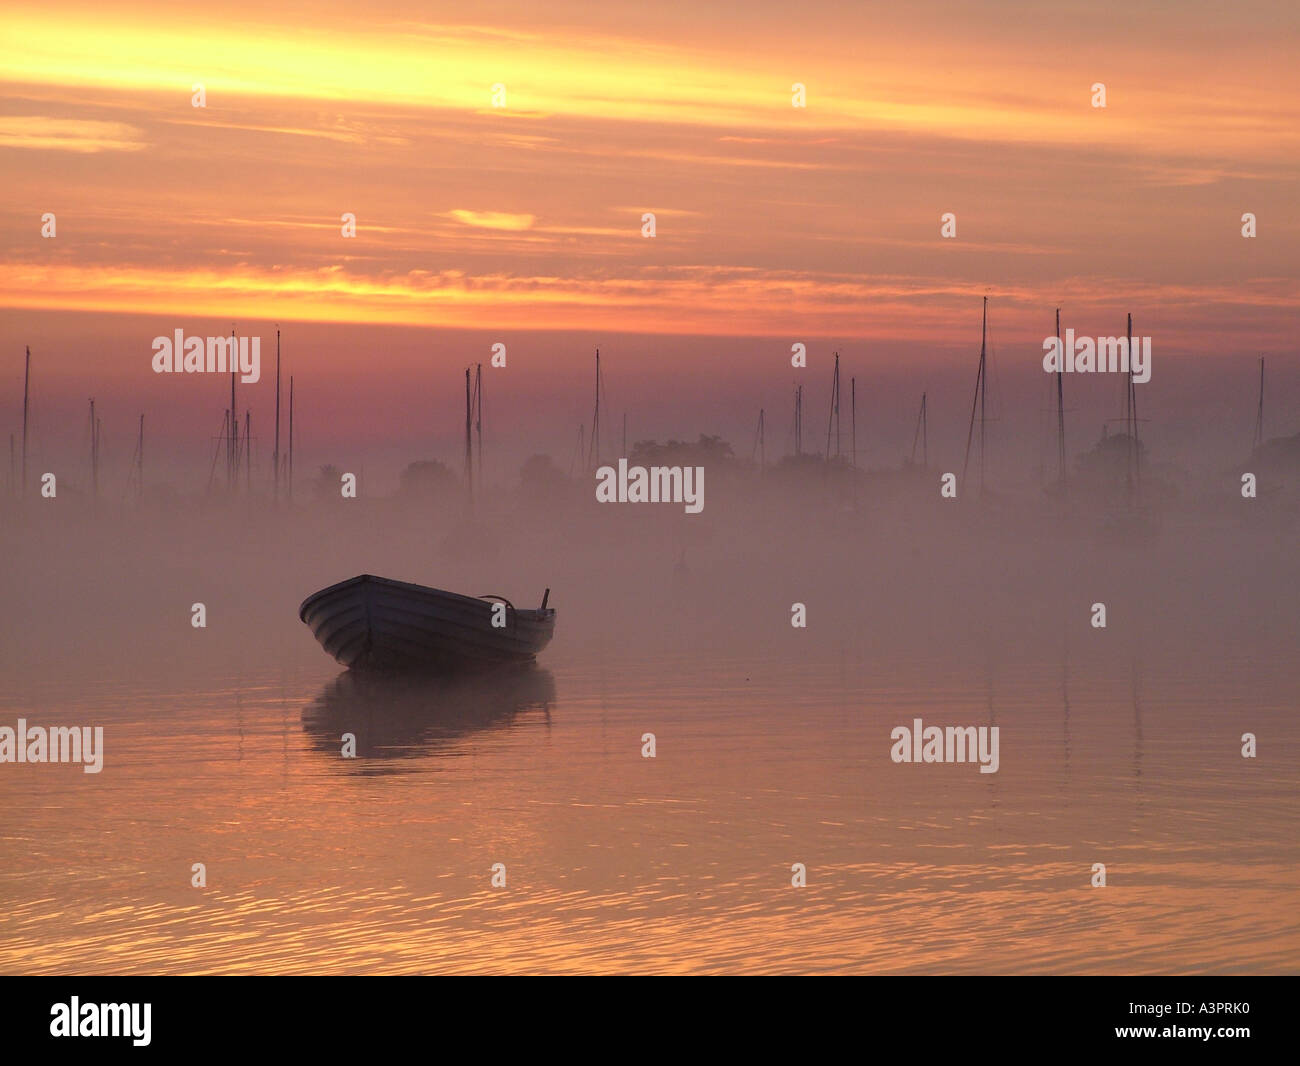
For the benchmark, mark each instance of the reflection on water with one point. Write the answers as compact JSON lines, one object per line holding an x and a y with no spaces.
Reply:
{"x":680,"y":863}
{"x":400,"y":717}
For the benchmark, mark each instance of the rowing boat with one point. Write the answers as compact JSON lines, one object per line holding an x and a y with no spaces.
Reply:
{"x":370,"y":622}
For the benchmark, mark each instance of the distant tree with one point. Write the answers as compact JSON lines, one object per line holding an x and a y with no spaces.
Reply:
{"x":798,"y":467}
{"x":540,"y":477}
{"x":328,"y":482}
{"x":704,"y":452}
{"x":1108,"y":460}
{"x":1280,"y":453}
{"x":428,"y":478}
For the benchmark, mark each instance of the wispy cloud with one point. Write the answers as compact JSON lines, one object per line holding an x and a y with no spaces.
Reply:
{"x":68,"y":134}
{"x":699,"y":301}
{"x":491,"y":219}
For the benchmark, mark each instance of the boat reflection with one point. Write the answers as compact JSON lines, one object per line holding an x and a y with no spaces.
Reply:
{"x":402,"y":717}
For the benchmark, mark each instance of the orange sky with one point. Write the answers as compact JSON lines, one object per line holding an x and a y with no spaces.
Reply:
{"x":772,"y":221}
{"x":769,"y":217}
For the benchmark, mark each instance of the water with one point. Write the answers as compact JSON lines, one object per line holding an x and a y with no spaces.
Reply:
{"x":680,"y":863}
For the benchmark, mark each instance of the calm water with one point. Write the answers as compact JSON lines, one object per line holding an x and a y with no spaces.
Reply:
{"x":681,"y":863}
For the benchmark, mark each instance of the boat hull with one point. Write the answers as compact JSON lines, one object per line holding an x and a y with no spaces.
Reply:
{"x":375,"y":623}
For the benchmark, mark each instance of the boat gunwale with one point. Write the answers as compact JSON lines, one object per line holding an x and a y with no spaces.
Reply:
{"x":541,"y":615}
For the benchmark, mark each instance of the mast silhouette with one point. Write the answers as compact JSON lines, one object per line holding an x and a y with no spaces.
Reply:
{"x":984,"y":387}
{"x":1060,"y":401}
{"x":1133,"y":459}
{"x":922,"y":434}
{"x":1137,"y":441}
{"x":290,"y":438}
{"x":139,"y":462}
{"x":925,"y":434}
{"x":275,"y":458}
{"x":478,"y":418}
{"x":236,"y":444}
{"x":1259,"y":414}
{"x":581,"y":451}
{"x":469,"y":440}
{"x":853,"y":419}
{"x":978,"y":400}
{"x":798,"y":420}
{"x":595,"y":420}
{"x":232,"y":453}
{"x":219,"y":443}
{"x":834,"y":419}
{"x":94,"y":451}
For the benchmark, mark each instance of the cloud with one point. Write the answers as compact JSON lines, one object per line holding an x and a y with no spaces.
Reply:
{"x":695,"y":301}
{"x":491,"y":219}
{"x":68,"y":134}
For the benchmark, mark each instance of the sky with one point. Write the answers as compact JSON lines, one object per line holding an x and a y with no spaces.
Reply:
{"x":523,"y":223}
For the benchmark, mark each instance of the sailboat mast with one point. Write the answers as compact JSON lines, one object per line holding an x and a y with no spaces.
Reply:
{"x":853,"y":419}
{"x":581,"y":451}
{"x":925,"y":435}
{"x":916,"y":433}
{"x":478,"y":418}
{"x":233,"y":472}
{"x":232,"y":452}
{"x":1259,"y":414}
{"x":798,"y":420}
{"x":838,"y":450}
{"x":595,"y":419}
{"x":1128,"y":343}
{"x":275,"y":458}
{"x":222,"y":441}
{"x":290,"y":438}
{"x":978,"y":401}
{"x":762,"y":444}
{"x":835,"y":410}
{"x":1060,"y":401}
{"x":469,"y":440}
{"x":1129,"y":427}
{"x":1133,"y":406}
{"x":984,"y":385}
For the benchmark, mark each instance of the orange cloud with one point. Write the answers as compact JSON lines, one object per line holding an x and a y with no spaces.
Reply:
{"x":491,"y":219}
{"x":976,"y":93}
{"x":698,"y":301}
{"x":68,"y":135}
